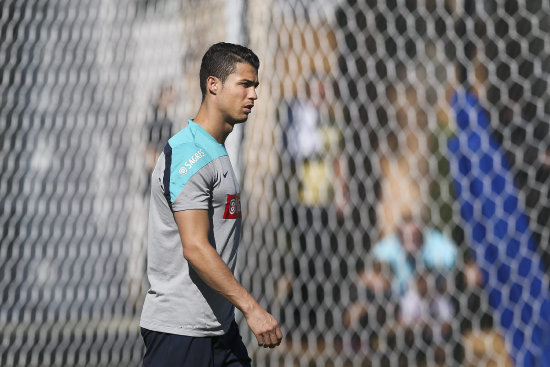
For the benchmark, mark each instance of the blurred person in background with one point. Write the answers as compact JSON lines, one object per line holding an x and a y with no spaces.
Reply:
{"x":159,"y":128}
{"x":188,"y":317}
{"x":413,"y":248}
{"x":312,"y":147}
{"x":426,"y":313}
{"x":370,"y":297}
{"x":423,"y":260}
{"x":315,"y":186}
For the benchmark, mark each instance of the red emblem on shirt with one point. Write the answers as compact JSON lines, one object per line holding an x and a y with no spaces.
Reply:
{"x":233,"y":207}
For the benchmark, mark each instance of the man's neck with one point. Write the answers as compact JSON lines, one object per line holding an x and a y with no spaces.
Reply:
{"x":213,"y":123}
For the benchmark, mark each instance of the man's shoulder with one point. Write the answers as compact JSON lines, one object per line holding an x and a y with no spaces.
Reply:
{"x":387,"y":247}
{"x":191,"y":141}
{"x":436,"y":239}
{"x":182,"y":139}
{"x":439,"y":251}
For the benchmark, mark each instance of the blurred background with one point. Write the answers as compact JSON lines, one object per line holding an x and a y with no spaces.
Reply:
{"x":394,"y":175}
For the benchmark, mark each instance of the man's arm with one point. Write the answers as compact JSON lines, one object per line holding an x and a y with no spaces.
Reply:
{"x":193,"y":227}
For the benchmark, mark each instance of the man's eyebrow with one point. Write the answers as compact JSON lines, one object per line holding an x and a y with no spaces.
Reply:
{"x":248,"y":81}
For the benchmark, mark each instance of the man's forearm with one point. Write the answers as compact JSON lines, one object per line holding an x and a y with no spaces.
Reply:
{"x":211,"y":268}
{"x":193,"y":226}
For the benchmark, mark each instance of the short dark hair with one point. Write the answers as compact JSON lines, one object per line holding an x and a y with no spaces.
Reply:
{"x":220,"y":60}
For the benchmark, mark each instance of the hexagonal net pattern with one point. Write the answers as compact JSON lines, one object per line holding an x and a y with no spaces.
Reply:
{"x":81,"y":83}
{"x":394,"y":175}
{"x":396,"y":181}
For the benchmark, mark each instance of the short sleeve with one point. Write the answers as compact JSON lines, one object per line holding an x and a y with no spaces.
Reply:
{"x":197,"y":192}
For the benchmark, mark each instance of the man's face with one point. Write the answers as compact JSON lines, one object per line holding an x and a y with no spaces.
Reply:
{"x":237,"y":96}
{"x":411,"y":237}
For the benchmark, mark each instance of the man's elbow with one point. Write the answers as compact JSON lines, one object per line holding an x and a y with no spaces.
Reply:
{"x":192,"y":251}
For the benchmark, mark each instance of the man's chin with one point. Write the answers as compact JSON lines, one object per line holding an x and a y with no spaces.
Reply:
{"x":240,"y":120}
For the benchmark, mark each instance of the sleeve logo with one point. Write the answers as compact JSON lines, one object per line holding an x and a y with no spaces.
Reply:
{"x":188,"y":164}
{"x":233,"y":207}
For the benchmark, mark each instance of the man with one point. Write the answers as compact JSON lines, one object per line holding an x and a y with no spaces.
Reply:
{"x":159,"y":128}
{"x":188,"y":316}
{"x":413,"y":249}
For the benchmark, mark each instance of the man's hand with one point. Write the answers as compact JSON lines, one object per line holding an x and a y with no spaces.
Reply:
{"x":265,"y":327}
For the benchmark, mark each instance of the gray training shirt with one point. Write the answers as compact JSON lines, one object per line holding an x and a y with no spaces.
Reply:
{"x":193,"y":172}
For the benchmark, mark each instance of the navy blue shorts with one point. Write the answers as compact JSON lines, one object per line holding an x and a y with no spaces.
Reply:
{"x":163,"y":349}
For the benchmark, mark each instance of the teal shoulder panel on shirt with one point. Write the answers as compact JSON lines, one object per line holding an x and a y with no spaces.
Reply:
{"x":192,"y":149}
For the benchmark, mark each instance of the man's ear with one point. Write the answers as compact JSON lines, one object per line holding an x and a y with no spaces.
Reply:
{"x":212,"y":84}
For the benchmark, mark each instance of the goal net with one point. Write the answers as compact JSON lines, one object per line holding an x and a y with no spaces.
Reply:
{"x":394,"y":175}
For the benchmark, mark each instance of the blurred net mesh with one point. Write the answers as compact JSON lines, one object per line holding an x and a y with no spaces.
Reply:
{"x":347,"y":166}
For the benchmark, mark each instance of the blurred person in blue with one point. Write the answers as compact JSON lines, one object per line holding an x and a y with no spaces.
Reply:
{"x":188,"y":317}
{"x":422,"y":261}
{"x":412,"y":249}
